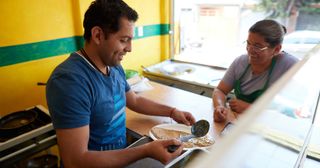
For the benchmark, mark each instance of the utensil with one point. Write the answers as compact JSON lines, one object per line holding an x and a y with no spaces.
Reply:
{"x":17,"y":122}
{"x":227,"y":128}
{"x":198,"y":129}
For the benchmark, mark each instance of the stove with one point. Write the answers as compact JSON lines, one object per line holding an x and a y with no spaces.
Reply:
{"x":39,"y":136}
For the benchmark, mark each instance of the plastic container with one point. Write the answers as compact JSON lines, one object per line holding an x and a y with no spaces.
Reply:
{"x":131,"y":73}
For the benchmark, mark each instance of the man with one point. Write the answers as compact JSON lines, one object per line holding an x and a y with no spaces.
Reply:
{"x":87,"y":95}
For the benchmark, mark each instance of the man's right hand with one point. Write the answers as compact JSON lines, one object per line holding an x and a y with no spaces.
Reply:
{"x":159,"y":150}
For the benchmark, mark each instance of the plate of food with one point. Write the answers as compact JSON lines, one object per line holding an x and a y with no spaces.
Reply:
{"x":169,"y":131}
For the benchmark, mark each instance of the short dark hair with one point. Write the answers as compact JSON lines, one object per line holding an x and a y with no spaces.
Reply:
{"x":272,"y":31}
{"x":107,"y":14}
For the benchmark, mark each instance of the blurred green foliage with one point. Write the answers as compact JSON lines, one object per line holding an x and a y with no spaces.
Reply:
{"x":284,"y":8}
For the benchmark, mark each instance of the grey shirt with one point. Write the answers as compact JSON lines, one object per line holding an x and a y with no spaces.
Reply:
{"x":251,"y":82}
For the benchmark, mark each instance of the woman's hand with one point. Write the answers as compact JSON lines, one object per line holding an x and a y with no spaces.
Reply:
{"x":182,"y":117}
{"x":220,"y":113}
{"x":238,"y":106}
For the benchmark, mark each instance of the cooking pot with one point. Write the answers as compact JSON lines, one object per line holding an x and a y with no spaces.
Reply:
{"x":17,"y":122}
{"x":44,"y":161}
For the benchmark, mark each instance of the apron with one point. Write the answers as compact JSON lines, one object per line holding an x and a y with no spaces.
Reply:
{"x":250,"y":98}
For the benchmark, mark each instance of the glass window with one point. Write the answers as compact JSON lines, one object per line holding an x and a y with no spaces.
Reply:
{"x":280,"y":128}
{"x":312,"y":41}
{"x":211,"y":32}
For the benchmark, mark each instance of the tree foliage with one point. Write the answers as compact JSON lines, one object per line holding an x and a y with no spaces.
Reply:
{"x":283,"y":8}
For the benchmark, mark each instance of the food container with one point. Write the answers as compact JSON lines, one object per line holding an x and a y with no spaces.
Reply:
{"x":131,"y":73}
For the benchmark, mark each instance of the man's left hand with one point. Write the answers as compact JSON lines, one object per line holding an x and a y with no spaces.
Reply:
{"x":183,"y":117}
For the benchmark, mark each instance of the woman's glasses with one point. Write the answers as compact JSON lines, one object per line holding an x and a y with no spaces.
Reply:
{"x":255,"y":47}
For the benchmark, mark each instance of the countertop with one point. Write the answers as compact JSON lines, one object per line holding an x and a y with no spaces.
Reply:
{"x":199,"y":106}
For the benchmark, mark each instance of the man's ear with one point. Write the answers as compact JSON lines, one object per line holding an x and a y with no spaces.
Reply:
{"x":97,"y":34}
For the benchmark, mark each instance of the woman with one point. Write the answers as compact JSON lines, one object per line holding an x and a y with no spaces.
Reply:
{"x":251,"y":74}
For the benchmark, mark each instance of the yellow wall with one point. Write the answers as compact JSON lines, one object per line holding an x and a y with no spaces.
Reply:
{"x":30,"y":21}
{"x":150,"y":50}
{"x":26,"y":21}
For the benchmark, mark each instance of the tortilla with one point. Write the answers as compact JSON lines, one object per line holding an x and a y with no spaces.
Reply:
{"x":162,"y":133}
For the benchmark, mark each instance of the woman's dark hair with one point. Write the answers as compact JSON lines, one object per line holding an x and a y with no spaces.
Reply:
{"x":272,"y":31}
{"x":107,"y":14}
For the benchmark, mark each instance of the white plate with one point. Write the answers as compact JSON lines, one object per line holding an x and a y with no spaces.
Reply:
{"x":178,"y":127}
{"x":176,"y":69}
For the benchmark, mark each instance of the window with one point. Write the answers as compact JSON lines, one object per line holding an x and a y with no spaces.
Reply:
{"x":211,"y":32}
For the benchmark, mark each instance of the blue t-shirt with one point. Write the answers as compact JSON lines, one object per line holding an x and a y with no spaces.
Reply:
{"x":79,"y":95}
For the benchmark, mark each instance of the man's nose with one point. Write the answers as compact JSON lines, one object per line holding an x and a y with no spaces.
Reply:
{"x":128,"y":47}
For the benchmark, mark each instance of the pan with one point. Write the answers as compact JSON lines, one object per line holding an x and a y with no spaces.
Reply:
{"x":44,"y":161}
{"x":17,"y":122}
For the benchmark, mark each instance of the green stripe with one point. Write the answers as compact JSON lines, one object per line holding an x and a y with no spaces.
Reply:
{"x":33,"y":51}
{"x":152,"y":30}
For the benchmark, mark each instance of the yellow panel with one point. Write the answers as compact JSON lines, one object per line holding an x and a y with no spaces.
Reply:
{"x":84,"y":5}
{"x":141,"y":54}
{"x":18,"y":86}
{"x":151,"y":11}
{"x":25,"y":21}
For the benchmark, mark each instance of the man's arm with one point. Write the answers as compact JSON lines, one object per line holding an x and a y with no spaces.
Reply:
{"x":149,"y":107}
{"x":73,"y":148}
